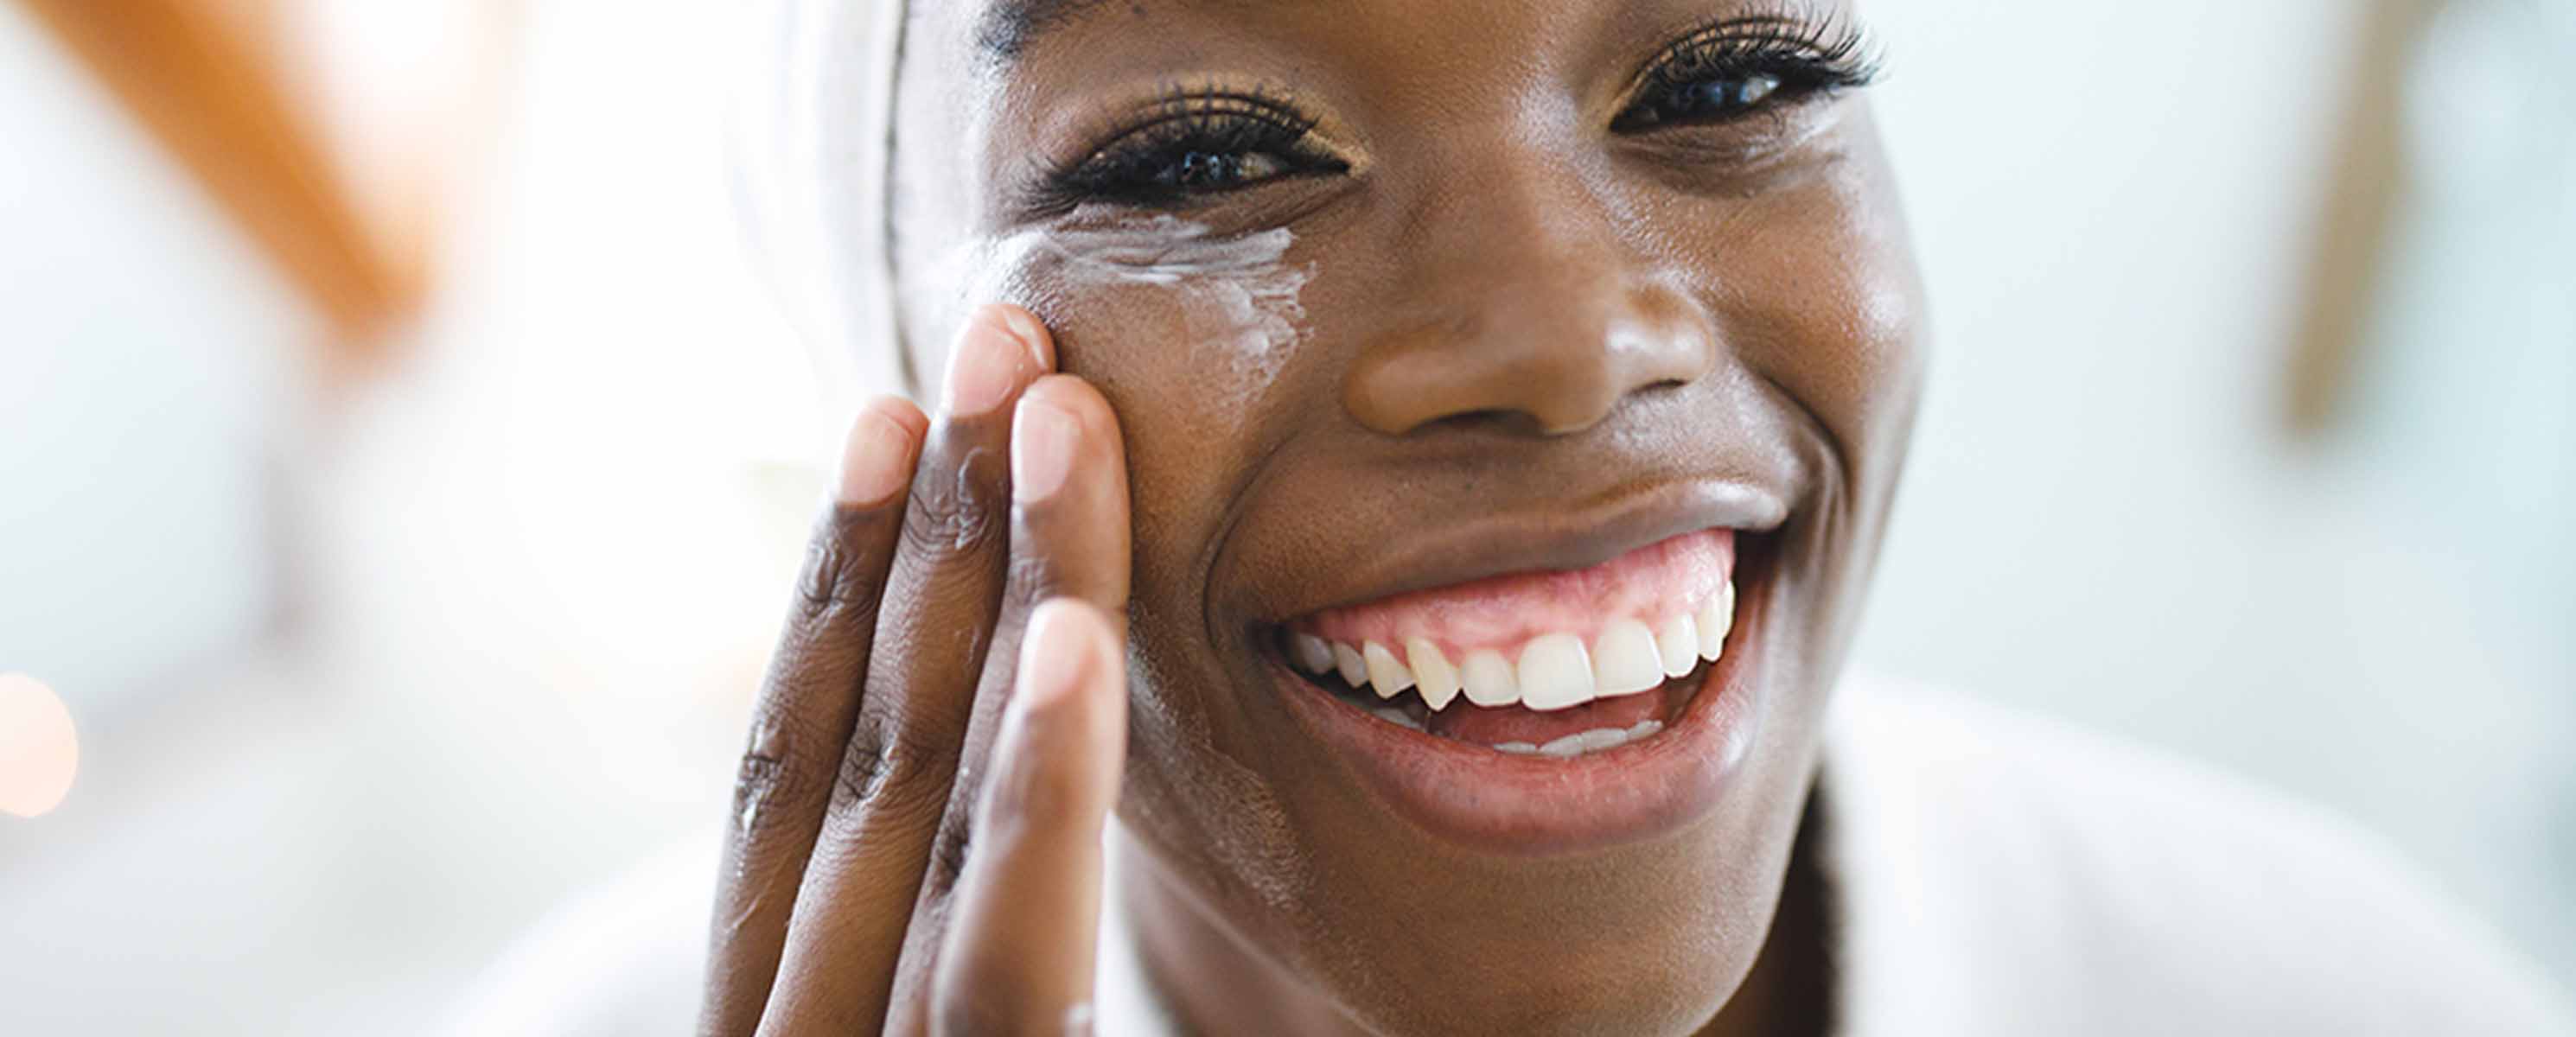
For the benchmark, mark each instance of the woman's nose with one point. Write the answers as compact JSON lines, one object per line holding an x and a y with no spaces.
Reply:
{"x":1537,"y":324}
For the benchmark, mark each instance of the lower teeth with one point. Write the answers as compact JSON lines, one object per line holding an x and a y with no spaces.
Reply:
{"x":1587,"y":742}
{"x":1398,"y":717}
{"x":1568,"y":747}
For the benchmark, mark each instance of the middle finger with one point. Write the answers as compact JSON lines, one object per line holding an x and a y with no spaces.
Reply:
{"x":932,"y":634}
{"x":1071,"y":538}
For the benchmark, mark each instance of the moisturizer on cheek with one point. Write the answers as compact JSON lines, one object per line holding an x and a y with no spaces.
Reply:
{"x":1236,"y":294}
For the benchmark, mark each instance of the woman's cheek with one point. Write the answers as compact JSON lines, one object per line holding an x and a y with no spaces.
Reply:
{"x":1166,"y":301}
{"x":1834,"y":312}
{"x":1187,"y":333}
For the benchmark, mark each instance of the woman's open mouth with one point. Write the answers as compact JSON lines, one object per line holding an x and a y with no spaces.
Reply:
{"x":1543,"y":711}
{"x":1552,"y":664}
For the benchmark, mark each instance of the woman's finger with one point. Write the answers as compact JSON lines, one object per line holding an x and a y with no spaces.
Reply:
{"x":1071,"y":537}
{"x":1027,"y":909}
{"x":802,"y":719}
{"x":943,"y":592}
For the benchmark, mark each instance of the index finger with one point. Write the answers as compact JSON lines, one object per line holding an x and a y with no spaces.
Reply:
{"x":1019,"y":957}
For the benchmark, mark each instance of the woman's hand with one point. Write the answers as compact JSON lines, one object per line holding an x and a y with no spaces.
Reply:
{"x":915,"y":843}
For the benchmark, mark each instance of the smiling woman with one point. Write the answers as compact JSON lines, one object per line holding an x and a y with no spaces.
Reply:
{"x":1448,"y":444}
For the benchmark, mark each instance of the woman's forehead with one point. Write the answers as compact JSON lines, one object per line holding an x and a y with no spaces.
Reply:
{"x":1002,"y":31}
{"x":1004,"y":27}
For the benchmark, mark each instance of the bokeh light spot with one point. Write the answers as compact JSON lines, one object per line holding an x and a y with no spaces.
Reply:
{"x":39,"y":751}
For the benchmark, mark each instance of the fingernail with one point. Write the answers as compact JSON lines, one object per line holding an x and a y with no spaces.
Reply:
{"x":1054,"y":660}
{"x":1032,"y":335}
{"x":876,"y":459}
{"x":1042,"y":441}
{"x":988,"y":363}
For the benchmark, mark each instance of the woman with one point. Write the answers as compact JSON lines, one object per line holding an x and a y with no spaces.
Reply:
{"x":1417,"y":467}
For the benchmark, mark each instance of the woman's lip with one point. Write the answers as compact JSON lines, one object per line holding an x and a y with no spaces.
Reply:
{"x":1503,"y":803}
{"x":1451,"y":552}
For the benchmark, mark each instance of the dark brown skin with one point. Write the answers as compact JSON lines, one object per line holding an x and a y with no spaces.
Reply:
{"x":1513,"y":310}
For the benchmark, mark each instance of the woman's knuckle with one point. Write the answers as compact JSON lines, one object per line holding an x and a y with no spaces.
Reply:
{"x":771,"y":769}
{"x":894,"y":771}
{"x":760,"y":784}
{"x":835,"y":575}
{"x":756,"y":783}
{"x":862,"y":775}
{"x":956,"y":513}
{"x":1034,"y":578}
{"x":951,"y":847}
{"x":818,"y":590}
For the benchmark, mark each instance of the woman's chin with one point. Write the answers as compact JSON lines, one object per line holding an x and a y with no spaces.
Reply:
{"x":1438,"y":886}
{"x":1627,"y":942}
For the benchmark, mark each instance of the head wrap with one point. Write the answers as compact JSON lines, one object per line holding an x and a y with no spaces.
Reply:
{"x":812,"y":136}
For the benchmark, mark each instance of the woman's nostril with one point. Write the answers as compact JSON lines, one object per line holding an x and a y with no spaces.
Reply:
{"x":1498,"y":420}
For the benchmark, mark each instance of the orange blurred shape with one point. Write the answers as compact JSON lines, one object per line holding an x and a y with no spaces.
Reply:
{"x":195,"y":73}
{"x":39,"y":751}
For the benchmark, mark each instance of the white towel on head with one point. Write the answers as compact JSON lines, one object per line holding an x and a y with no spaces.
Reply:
{"x":812,"y":136}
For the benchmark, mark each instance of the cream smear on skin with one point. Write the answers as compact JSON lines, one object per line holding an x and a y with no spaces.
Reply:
{"x":1237,"y":293}
{"x":1238,"y":299}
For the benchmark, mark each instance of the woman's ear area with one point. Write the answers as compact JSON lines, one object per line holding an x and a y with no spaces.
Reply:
{"x":933,"y":286}
{"x":930,"y":187}
{"x":920,"y":349}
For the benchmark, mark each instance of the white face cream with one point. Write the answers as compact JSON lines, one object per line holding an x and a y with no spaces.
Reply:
{"x":1237,"y":295}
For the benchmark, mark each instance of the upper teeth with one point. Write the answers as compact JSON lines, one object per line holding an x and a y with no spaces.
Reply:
{"x":1547,"y":672}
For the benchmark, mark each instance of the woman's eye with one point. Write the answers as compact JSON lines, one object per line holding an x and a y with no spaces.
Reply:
{"x":1170,"y":165}
{"x":1741,"y":67}
{"x":1701,"y":101}
{"x":1192,"y":147}
{"x":1218,"y":171}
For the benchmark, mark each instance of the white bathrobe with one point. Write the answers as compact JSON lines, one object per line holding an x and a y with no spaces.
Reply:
{"x":1993,"y":875}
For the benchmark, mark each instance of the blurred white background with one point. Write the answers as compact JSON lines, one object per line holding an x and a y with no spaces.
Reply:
{"x":365,"y":689}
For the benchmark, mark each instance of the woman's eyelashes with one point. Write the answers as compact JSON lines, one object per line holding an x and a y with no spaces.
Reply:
{"x":1194,"y":144}
{"x":1744,"y":66}
{"x":1191,"y":145}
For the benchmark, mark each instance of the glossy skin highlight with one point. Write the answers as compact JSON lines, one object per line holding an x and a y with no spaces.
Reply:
{"x":1528,"y":341}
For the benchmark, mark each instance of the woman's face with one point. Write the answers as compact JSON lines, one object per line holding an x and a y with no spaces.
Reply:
{"x":1393,"y":298}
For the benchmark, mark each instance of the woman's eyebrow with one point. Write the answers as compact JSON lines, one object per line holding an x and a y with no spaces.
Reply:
{"x":1010,"y":25}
